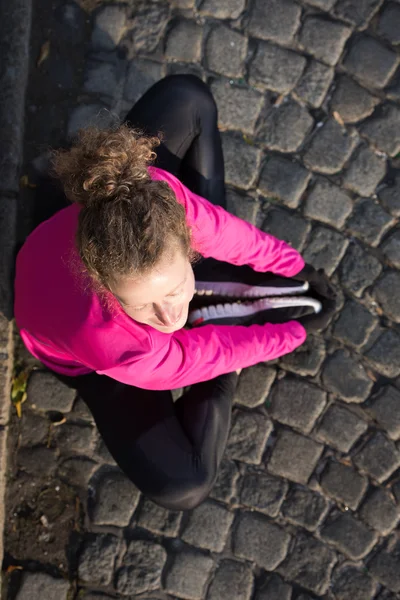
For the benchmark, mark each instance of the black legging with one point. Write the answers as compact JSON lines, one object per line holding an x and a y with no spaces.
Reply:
{"x":171,"y":451}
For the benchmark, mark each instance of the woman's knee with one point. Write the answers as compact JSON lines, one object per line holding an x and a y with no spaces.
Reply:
{"x":192,"y":90}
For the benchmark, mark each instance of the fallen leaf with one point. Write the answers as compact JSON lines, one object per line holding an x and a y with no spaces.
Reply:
{"x":44,"y":53}
{"x":371,"y":374}
{"x":25,"y":183}
{"x":57,"y":423}
{"x":12,"y":568}
{"x":338,"y":118}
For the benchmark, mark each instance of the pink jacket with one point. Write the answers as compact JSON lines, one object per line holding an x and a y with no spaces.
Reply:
{"x":65,"y":325}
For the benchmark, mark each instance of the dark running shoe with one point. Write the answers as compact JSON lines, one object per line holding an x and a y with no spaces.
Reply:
{"x":265,"y":310}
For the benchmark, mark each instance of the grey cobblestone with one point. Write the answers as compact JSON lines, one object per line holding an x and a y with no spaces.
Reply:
{"x":323,"y":38}
{"x":314,"y":84}
{"x":225,"y":9}
{"x":86,"y":115}
{"x":184,"y":42}
{"x":369,"y":221}
{"x":208,"y":526}
{"x":274,"y":20}
{"x":382,"y":129}
{"x":345,"y":376}
{"x":365,"y":172}
{"x":344,"y":484}
{"x":340,"y":428}
{"x":275,"y":589}
{"x":286,"y":226}
{"x":263,"y":492}
{"x":307,"y":358}
{"x":297,"y":403}
{"x":109,"y":27}
{"x":378,"y":458}
{"x":325,"y":249}
{"x":328,"y":203}
{"x":391,"y":248}
{"x":386,"y":292}
{"x":143,"y":563}
{"x":244,"y":207}
{"x":358,"y":269}
{"x":159,"y":520}
{"x":254,"y":385}
{"x":39,"y":586}
{"x":71,"y":437}
{"x":284,"y":179}
{"x":48,"y":393}
{"x":393,"y":90}
{"x":285,"y":127}
{"x":380,"y":512}
{"x":389,"y":23}
{"x":115,"y":499}
{"x":385,"y":408}
{"x":390,"y":196}
{"x":322,"y":4}
{"x":146,"y":27}
{"x":309,"y":564}
{"x":351,"y":101}
{"x":225,"y":487}
{"x":274,"y":68}
{"x":351,"y":584}
{"x":34,"y":428}
{"x":357,"y":12}
{"x":77,"y":470}
{"x":305,"y":508}
{"x":141,"y":75}
{"x":226,"y":51}
{"x":294,"y":456}
{"x":384,"y":567}
{"x":241,"y":161}
{"x":233,"y":581}
{"x":39,"y":461}
{"x":102,"y":78}
{"x":370,"y":61}
{"x":385,"y":354}
{"x":330,"y":148}
{"x":188,"y":575}
{"x":248,"y":437}
{"x":97,"y":559}
{"x":257,"y":539}
{"x":238,"y":107}
{"x":348,"y":535}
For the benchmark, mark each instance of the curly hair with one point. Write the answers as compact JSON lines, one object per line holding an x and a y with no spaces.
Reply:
{"x":127,"y":221}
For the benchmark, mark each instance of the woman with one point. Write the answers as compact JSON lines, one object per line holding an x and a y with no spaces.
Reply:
{"x":103,"y":290}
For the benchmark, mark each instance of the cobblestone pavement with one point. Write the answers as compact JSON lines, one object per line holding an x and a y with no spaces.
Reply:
{"x":307,"y":502}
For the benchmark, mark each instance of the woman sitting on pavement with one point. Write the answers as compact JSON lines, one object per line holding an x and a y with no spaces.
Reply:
{"x":105,"y":286}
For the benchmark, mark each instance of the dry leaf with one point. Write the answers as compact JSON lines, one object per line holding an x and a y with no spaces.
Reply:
{"x":371,"y":374}
{"x":279,"y":100}
{"x":57,"y":423}
{"x":12,"y":568}
{"x":338,"y":118}
{"x":25,"y":183}
{"x":44,"y":53}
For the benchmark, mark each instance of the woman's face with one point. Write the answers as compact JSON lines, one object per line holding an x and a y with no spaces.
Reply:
{"x":160,"y":298}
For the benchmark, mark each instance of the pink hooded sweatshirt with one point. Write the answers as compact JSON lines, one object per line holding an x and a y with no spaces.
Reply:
{"x":64,"y":323}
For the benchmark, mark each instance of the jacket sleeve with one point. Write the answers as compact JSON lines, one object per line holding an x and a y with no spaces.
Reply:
{"x":189,"y":356}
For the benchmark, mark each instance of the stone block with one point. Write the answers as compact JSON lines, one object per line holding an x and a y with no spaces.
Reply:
{"x":344,"y":484}
{"x":109,"y":27}
{"x":365,"y":172}
{"x":328,"y":203}
{"x":384,"y":567}
{"x":322,"y":4}
{"x":389,"y":23}
{"x":357,"y":12}
{"x":307,"y":358}
{"x":309,"y":564}
{"x":146,"y":27}
{"x":283,"y":179}
{"x":393,"y":90}
{"x":351,"y":101}
{"x":274,"y":68}
{"x":391,"y":248}
{"x":379,"y":458}
{"x":325,"y":249}
{"x":287,"y":226}
{"x":354,"y":324}
{"x":34,"y":428}
{"x":141,"y":75}
{"x":46,"y":392}
{"x":385,"y":408}
{"x":304,"y":508}
{"x":294,"y":456}
{"x":254,"y":385}
{"x":257,"y":539}
{"x":158,"y":519}
{"x":370,"y":61}
{"x":96,"y":562}
{"x":340,"y":428}
{"x":358,"y":269}
{"x":390,"y":196}
{"x":275,"y":589}
{"x":222,"y":9}
{"x":274,"y":20}
{"x":87,"y":115}
{"x":77,"y":470}
{"x":70,"y":23}
{"x":242,"y":161}
{"x":323,"y":38}
{"x":184,"y":42}
{"x":380,"y":512}
{"x":208,"y":526}
{"x":285,"y":127}
{"x":73,"y":437}
{"x":346,"y":377}
{"x":263,"y":492}
{"x":226,"y":51}
{"x":188,"y":575}
{"x":331,"y":146}
{"x":297,"y":403}
{"x":225,"y":487}
{"x":386,"y":292}
{"x":101,"y":78}
{"x":348,"y":535}
{"x":143,"y":563}
{"x":314,"y":84}
{"x":38,"y":461}
{"x":385,"y":354}
{"x":232,"y":581}
{"x":116,"y":499}
{"x":352,"y":584}
{"x":248,"y":437}
{"x":40,"y":586}
{"x":383,"y":129}
{"x":244,"y":207}
{"x":369,"y":221}
{"x":238,"y":107}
